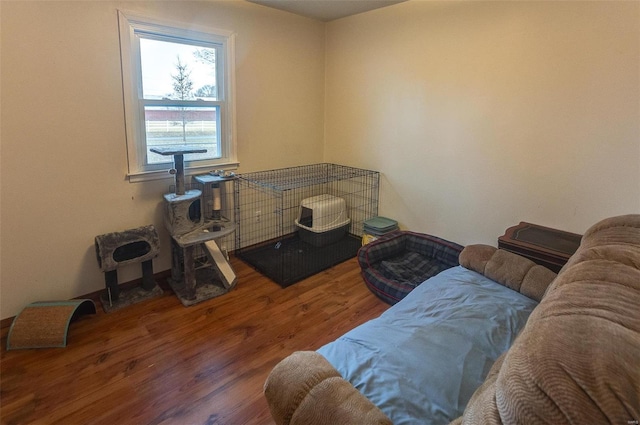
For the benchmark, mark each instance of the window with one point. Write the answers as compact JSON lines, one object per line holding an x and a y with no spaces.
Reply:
{"x":178,"y":90}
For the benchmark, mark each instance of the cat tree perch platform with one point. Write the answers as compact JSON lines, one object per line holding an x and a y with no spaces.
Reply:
{"x":195,"y":220}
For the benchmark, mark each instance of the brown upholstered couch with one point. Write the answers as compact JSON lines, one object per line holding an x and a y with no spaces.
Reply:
{"x":576,"y":361}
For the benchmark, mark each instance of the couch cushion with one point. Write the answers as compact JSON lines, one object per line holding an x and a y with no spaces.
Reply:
{"x":412,"y":268}
{"x":509,"y":269}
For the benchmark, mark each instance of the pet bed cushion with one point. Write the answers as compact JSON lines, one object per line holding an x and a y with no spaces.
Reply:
{"x":395,"y":264}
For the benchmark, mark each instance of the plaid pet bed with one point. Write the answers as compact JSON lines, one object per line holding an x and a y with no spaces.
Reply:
{"x":395,"y":264}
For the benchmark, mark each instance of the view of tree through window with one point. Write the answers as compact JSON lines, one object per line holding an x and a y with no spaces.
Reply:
{"x":179,"y":91}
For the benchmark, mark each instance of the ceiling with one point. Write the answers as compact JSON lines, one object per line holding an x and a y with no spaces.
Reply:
{"x":326,"y":10}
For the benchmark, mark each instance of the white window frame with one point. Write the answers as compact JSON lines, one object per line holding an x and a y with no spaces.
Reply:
{"x":131,"y":27}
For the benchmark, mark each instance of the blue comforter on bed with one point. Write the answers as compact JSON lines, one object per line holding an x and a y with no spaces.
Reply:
{"x":422,"y":359}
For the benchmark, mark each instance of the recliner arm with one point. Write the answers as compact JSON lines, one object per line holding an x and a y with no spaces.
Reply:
{"x":305,"y":388}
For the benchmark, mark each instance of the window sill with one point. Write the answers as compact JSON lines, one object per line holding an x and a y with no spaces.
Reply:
{"x":144,"y":176}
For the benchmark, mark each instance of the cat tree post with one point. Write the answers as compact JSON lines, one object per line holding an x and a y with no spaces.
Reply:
{"x":194,"y":234}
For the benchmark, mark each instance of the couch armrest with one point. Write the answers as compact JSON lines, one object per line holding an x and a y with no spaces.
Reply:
{"x":305,"y":388}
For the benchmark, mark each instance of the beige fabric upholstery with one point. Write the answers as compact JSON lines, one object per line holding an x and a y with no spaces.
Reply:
{"x":576,"y":361}
{"x":305,"y":389}
{"x":508,"y":269}
{"x":578,"y":358}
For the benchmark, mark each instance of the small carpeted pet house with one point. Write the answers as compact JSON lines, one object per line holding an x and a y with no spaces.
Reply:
{"x":117,"y":249}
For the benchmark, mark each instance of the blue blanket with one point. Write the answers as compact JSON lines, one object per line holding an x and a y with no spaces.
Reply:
{"x":422,"y":359}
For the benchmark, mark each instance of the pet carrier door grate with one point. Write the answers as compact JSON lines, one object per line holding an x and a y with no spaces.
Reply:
{"x":295,"y":222}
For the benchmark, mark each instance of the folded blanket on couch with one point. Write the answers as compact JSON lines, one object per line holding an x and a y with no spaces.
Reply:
{"x":422,"y":359}
{"x":459,"y":322}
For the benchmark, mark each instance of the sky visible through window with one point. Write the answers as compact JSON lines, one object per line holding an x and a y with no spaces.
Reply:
{"x":174,"y":125}
{"x":159,"y":62}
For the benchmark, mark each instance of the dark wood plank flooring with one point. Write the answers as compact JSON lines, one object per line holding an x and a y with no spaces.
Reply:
{"x":160,"y":363}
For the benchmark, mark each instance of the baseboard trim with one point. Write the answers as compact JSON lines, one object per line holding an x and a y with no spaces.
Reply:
{"x":160,"y":278}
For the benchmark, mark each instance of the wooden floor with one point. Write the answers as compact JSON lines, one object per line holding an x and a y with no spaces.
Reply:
{"x":160,"y":363}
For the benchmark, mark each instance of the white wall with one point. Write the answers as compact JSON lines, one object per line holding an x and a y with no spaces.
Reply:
{"x":478,"y":114}
{"x":63,"y":152}
{"x":484,"y":114}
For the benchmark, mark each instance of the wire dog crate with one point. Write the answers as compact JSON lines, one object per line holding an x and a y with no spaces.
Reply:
{"x":295,"y":222}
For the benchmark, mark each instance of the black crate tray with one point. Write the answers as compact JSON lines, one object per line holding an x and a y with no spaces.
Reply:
{"x":290,"y":259}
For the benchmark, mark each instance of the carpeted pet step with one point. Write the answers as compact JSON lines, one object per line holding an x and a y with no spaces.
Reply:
{"x":44,"y":324}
